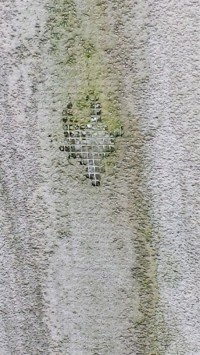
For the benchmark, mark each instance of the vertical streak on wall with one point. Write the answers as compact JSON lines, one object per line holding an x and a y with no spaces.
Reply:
{"x":90,"y":290}
{"x":162,"y":78}
{"x":90,"y":232}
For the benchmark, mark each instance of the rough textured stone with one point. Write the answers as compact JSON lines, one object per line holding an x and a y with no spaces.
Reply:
{"x":111,"y":269}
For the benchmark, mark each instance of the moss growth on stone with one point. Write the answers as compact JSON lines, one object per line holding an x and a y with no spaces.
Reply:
{"x":88,"y":48}
{"x":84,"y":76}
{"x":81,"y":56}
{"x":151,"y":329}
{"x":71,"y":59}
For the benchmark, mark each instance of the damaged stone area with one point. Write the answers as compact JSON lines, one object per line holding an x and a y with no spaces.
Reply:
{"x":90,"y":143}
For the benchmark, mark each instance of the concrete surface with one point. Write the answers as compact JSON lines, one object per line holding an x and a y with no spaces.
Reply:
{"x":111,"y":269}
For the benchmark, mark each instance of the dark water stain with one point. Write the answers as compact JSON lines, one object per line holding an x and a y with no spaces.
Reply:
{"x":152,"y":333}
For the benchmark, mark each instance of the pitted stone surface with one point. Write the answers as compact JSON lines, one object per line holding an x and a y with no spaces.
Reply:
{"x":90,"y":142}
{"x":112,"y":270}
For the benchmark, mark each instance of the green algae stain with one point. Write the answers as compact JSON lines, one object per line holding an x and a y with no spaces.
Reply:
{"x":153,"y":336}
{"x":84,"y":77}
{"x":152,"y":333}
{"x":88,"y":49}
{"x":82,"y":64}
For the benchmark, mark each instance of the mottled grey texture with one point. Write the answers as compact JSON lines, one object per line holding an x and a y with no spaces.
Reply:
{"x":168,"y":107}
{"x":112,"y":269}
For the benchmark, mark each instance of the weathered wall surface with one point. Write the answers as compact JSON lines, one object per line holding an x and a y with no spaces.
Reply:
{"x":111,"y":269}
